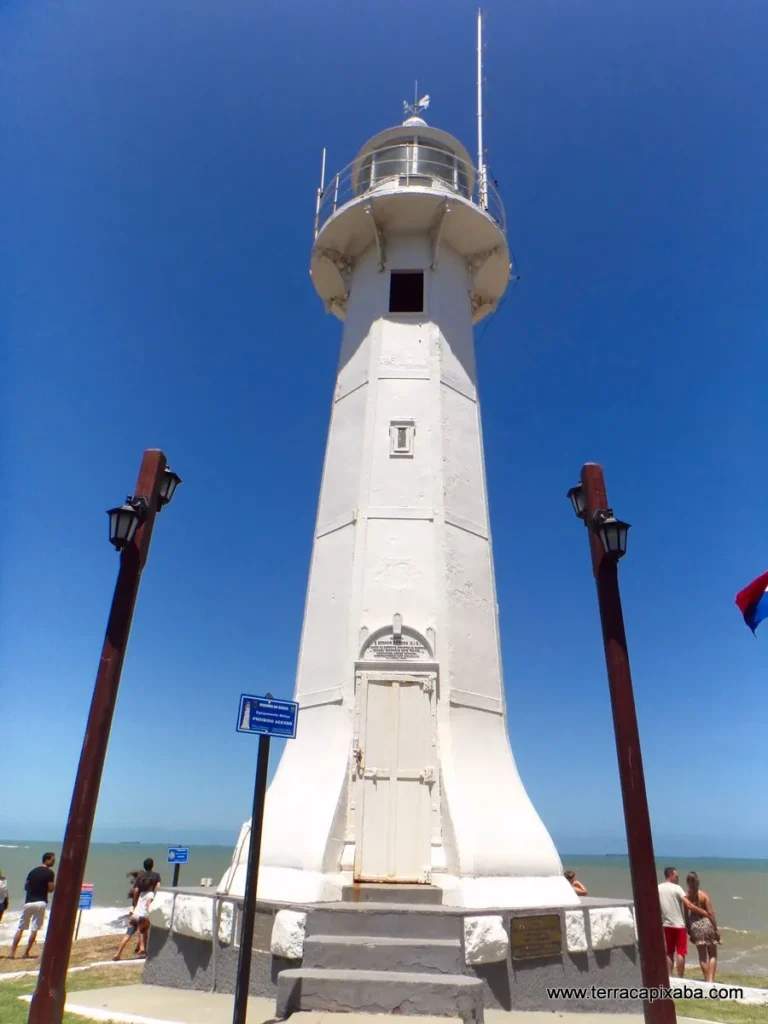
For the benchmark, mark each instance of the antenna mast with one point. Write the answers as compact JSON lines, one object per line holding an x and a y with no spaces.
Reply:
{"x":319,"y":196}
{"x":482,"y":183}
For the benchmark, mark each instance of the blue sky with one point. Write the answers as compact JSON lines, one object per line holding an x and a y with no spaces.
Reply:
{"x":159,"y":175}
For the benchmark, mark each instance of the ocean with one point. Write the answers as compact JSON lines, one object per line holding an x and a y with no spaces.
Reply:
{"x":738,"y":888}
{"x":107,"y":868}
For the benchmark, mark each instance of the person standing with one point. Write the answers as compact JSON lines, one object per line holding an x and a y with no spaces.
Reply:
{"x":3,"y":894}
{"x":674,"y":903}
{"x":143,"y":886}
{"x":40,"y":882}
{"x":703,"y":930}
{"x":148,"y":879}
{"x":139,"y":922}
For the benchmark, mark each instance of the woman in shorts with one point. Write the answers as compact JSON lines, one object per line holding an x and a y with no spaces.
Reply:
{"x":137,"y":923}
{"x":703,"y":930}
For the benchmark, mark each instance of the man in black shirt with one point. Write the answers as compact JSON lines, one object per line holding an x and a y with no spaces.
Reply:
{"x":40,"y":882}
{"x":146,"y":880}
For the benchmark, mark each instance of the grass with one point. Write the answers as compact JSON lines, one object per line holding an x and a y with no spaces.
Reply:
{"x":14,"y":1011}
{"x":725,"y":1013}
{"x":746,"y":980}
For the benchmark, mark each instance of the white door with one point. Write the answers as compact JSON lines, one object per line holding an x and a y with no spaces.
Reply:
{"x":395,"y":779}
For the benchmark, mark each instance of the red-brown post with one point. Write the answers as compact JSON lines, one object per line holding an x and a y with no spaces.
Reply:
{"x":642,"y":864}
{"x":48,"y":1001}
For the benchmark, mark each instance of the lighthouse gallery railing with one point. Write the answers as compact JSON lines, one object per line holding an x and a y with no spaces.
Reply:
{"x":407,"y":164}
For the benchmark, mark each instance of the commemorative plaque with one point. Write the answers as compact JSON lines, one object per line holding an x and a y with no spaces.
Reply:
{"x":536,"y":936}
{"x":396,"y":648}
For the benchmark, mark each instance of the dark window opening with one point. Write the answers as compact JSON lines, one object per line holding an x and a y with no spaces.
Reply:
{"x":406,"y":291}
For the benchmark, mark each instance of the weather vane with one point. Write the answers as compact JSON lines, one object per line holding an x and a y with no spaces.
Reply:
{"x":418,"y":105}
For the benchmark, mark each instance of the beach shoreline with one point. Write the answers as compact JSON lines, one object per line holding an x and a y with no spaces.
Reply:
{"x":95,"y":923}
{"x":739,"y":889}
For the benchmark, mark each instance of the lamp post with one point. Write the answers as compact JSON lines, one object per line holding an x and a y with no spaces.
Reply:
{"x":608,"y":543}
{"x":130,"y":531}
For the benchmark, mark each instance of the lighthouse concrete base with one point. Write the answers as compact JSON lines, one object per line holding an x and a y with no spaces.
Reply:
{"x":470,"y":893}
{"x":365,"y":950}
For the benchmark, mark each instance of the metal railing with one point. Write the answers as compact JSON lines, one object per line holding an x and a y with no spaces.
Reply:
{"x":408,"y":164}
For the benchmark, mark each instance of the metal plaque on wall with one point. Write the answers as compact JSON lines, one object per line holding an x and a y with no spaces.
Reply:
{"x":263,"y":924}
{"x":536,"y":936}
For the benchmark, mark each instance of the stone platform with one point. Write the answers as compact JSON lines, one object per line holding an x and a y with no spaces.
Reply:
{"x":385,"y":949}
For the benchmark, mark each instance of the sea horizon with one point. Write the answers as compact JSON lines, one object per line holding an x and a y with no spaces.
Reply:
{"x":563,"y":851}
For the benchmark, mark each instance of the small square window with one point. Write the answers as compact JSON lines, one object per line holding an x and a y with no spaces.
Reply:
{"x":401,"y":438}
{"x":406,"y":291}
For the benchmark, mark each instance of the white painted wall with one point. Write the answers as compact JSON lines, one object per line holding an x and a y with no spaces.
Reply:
{"x":409,"y":536}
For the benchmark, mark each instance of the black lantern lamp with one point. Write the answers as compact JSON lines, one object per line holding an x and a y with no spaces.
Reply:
{"x":612,"y":533}
{"x":168,"y":486}
{"x":122,"y":524}
{"x":124,"y":520}
{"x":576,"y":496}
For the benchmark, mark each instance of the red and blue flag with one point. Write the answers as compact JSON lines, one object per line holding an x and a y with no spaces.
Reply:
{"x":753,"y":601}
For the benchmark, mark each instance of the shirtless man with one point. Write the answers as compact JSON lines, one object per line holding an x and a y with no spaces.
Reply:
{"x":578,"y":888}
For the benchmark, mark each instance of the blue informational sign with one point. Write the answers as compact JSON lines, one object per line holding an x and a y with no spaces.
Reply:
{"x":267,"y":716}
{"x":86,"y":896}
{"x":178,"y":854}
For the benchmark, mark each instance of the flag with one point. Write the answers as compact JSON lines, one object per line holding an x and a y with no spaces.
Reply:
{"x":753,"y":601}
{"x":423,"y":103}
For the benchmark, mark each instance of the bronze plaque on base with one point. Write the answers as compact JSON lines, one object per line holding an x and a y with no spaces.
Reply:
{"x":536,"y":936}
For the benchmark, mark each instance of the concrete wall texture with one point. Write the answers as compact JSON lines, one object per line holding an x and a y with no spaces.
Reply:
{"x":186,"y":962}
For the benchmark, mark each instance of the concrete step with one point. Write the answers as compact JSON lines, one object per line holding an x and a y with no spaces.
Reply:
{"x":379,"y":992}
{"x":385,"y":920}
{"x":352,"y":952}
{"x":380,"y":892}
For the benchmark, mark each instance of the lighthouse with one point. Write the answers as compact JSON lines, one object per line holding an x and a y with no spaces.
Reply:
{"x":402,"y":770}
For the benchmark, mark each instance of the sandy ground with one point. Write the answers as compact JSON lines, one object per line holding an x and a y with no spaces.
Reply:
{"x":84,"y":951}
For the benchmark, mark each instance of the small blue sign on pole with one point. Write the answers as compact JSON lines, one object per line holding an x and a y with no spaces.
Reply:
{"x":178,"y":854}
{"x":267,"y":716}
{"x":85,"y":903}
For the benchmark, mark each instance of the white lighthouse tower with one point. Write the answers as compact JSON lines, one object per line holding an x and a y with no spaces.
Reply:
{"x":402,"y":770}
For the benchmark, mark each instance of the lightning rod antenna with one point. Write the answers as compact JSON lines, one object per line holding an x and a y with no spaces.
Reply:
{"x":482,"y":185}
{"x":320,"y":194}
